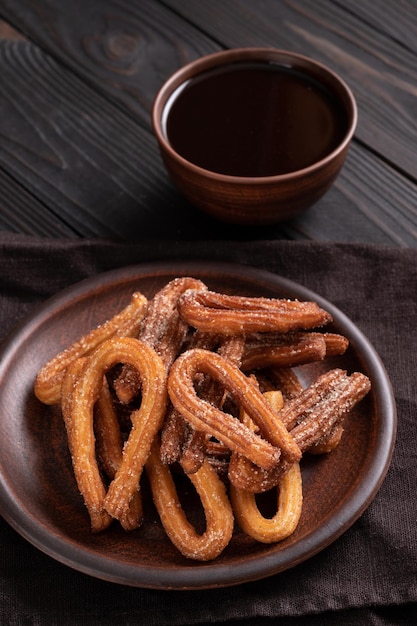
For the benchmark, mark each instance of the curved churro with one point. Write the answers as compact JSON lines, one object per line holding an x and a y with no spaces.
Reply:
{"x":217,"y":509}
{"x":126,"y":323}
{"x":145,"y":421}
{"x":230,"y":431}
{"x":285,"y":520}
{"x":231,"y":315}
{"x":81,"y":443}
{"x":178,"y":438}
{"x":313,"y":415}
{"x":194,"y":447}
{"x":163,"y":329}
{"x":109,"y":446}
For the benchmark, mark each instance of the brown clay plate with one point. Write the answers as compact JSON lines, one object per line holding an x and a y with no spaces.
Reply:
{"x":38,"y":494}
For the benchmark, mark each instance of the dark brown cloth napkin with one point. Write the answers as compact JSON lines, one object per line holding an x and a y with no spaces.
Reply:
{"x":369,"y":575}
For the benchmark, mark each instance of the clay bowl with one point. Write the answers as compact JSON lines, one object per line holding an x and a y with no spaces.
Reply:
{"x":254,"y":135}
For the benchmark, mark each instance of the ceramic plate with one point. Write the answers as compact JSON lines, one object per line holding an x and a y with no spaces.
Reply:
{"x":38,"y":494}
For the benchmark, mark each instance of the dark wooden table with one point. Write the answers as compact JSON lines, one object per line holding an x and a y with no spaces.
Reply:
{"x":78,"y":77}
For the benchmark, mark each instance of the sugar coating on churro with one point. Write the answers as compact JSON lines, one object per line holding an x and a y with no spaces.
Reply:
{"x":202,"y":384}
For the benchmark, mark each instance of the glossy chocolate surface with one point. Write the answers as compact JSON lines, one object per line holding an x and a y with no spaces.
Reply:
{"x":254,"y":119}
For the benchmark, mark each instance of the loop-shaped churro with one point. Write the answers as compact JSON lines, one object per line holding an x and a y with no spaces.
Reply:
{"x":126,"y":323}
{"x":214,"y":499}
{"x":231,"y":315}
{"x":289,"y":492}
{"x":194,"y":448}
{"x":81,"y":444}
{"x":109,"y":446}
{"x":264,"y":452}
{"x":145,"y":421}
{"x":289,"y":507}
{"x":182,"y":392}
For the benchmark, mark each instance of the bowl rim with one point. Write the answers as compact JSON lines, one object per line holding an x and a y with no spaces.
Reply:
{"x":235,"y":55}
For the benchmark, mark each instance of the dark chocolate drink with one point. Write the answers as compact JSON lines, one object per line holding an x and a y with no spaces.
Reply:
{"x":254,"y":119}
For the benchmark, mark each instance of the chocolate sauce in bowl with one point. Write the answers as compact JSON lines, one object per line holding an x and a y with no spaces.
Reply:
{"x":254,"y":119}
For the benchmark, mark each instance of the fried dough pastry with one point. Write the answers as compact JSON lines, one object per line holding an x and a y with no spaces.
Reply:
{"x":327,"y":442}
{"x":109,"y":446}
{"x":214,"y":499}
{"x":194,"y":446}
{"x":146,"y":421}
{"x":126,"y":323}
{"x":320,"y":419}
{"x":175,"y":435}
{"x":289,"y":494}
{"x":282,"y":350}
{"x":264,"y":350}
{"x":309,"y":417}
{"x":289,"y":507}
{"x":81,"y":443}
{"x":245,"y":475}
{"x":286,"y":381}
{"x":163,"y":329}
{"x":263,"y":451}
{"x":231,"y":315}
{"x":202,"y":387}
{"x":145,"y":424}
{"x":335,"y":344}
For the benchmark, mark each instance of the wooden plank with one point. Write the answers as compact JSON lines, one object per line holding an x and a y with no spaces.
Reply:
{"x":76,"y":152}
{"x":370,"y":202}
{"x":396,"y":19}
{"x":381,"y":71}
{"x":126,"y":50}
{"x":20,"y":212}
{"x":100,"y":174}
{"x":61,"y":142}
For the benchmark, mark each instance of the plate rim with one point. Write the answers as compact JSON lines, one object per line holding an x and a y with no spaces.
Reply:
{"x":214,"y":574}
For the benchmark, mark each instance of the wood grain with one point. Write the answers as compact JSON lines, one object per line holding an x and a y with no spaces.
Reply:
{"x":396,"y":19}
{"x":99,"y":173}
{"x":370,"y":202}
{"x":20,"y":212}
{"x":87,"y":161}
{"x":125,"y":49}
{"x":76,"y":98}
